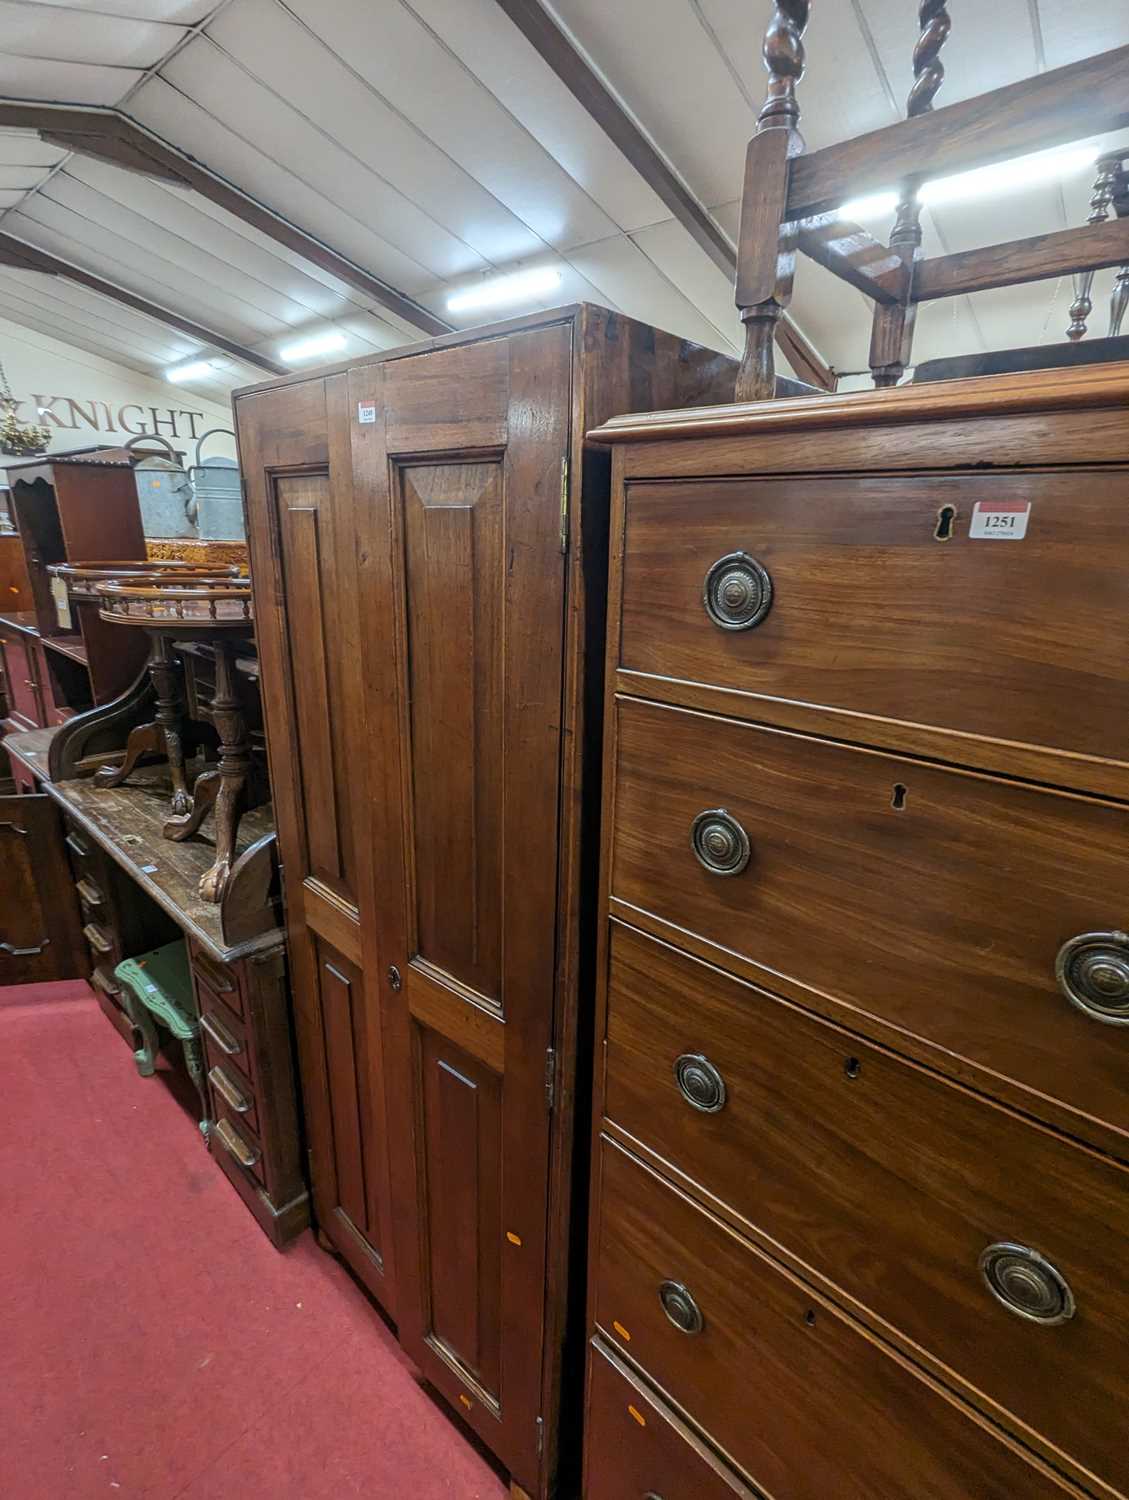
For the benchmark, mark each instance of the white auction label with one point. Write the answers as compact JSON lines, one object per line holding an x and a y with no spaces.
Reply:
{"x":366,"y":411}
{"x":1000,"y":520}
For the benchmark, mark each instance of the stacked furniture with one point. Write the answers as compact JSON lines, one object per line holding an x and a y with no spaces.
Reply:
{"x":428,"y":548}
{"x":862,"y":1095}
{"x":72,"y":508}
{"x":108,"y":858}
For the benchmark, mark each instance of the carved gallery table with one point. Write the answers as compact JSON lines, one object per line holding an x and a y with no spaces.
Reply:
{"x":136,"y":889}
{"x":219,"y":612}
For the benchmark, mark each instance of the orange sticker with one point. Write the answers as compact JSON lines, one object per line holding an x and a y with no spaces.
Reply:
{"x":638,"y":1415}
{"x":514,"y":1239}
{"x":622,"y":1331}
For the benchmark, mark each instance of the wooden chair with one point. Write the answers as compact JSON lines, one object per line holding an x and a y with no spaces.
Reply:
{"x":792,"y":198}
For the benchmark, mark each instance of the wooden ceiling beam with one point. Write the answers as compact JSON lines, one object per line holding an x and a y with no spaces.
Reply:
{"x":110,"y":136}
{"x":553,"y":46}
{"x":25,"y":257}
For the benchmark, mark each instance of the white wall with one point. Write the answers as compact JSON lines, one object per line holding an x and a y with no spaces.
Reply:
{"x":91,"y":401}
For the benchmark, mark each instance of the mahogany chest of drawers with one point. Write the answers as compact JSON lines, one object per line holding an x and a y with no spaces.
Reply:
{"x":862,"y":1099}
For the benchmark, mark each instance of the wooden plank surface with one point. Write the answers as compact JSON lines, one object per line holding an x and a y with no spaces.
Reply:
{"x":126,"y":821}
{"x":1090,"y":247}
{"x":1067,"y":104}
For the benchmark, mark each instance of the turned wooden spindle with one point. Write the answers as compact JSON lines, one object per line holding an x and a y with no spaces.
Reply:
{"x":765,"y":290}
{"x":1105,"y":190}
{"x":1119,"y":298}
{"x":891,"y":341}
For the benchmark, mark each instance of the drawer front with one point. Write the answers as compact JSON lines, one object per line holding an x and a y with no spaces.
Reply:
{"x":794,"y":1392}
{"x":230,"y":1087}
{"x":218,"y":978}
{"x":871,"y":611}
{"x":636,"y":1448}
{"x":933,"y":900}
{"x":235,"y":1144}
{"x":225,"y":1036}
{"x":858,"y":1164}
{"x":84,"y":857}
{"x":102,"y":942}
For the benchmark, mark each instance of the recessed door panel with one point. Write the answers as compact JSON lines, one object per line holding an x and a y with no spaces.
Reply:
{"x":345,"y":1018}
{"x":454,"y":581}
{"x":305,"y":532}
{"x":461,"y":1150}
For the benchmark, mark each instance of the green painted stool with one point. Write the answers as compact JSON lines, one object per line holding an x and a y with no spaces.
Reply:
{"x":157,"y":988}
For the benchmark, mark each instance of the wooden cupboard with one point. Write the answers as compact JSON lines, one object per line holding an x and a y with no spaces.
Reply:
{"x":428,"y":546}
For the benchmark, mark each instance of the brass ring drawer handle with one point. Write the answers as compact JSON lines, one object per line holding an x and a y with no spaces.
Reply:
{"x":720,"y":844}
{"x":680,"y":1307}
{"x":1093,"y":973}
{"x":221,"y":1036}
{"x":700,"y":1083}
{"x":737,"y":592}
{"x":234,"y":1098}
{"x":1026,"y":1283}
{"x":234,"y":1143}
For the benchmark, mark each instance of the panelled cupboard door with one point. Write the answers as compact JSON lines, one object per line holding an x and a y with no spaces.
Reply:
{"x":459,"y":483}
{"x":294,"y":443}
{"x":40,"y":939}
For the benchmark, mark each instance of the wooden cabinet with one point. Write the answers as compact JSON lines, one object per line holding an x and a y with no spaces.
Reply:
{"x":40,"y":938}
{"x":428,"y":545}
{"x":80,"y":507}
{"x":860,"y":1188}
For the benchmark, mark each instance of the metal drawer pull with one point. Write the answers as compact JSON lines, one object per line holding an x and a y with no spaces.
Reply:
{"x":212,"y":974}
{"x":720,"y":844}
{"x":97,"y":938}
{"x":681,"y":1308}
{"x":244,"y":1154}
{"x":227,"y":1091}
{"x":1093,"y":973}
{"x":737,"y":592}
{"x":89,"y":891}
{"x":699,"y":1082}
{"x":220,"y":1035}
{"x":1026,"y":1283}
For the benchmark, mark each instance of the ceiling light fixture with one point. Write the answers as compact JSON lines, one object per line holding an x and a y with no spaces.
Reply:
{"x":198,"y":369}
{"x":522,"y":286}
{"x":994,"y":181}
{"x":319,"y":343}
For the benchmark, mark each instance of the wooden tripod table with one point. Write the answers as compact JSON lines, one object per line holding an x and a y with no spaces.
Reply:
{"x":217,"y":610}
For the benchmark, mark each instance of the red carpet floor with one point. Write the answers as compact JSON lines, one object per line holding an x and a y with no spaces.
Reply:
{"x":152,"y":1341}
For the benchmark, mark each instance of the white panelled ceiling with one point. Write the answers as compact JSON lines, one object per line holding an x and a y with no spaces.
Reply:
{"x":428,"y":143}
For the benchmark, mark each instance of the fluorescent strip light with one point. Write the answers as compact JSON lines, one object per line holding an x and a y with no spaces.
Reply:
{"x":866,"y":210}
{"x":995,"y":181}
{"x":1007,"y":176}
{"x":522,"y":286}
{"x":199,"y":369}
{"x":320,"y":343}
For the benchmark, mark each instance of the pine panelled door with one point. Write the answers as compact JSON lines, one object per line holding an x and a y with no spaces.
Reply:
{"x":428,"y":538}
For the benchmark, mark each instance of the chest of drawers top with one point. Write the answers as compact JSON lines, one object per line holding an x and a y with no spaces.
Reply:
{"x":934,"y":570}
